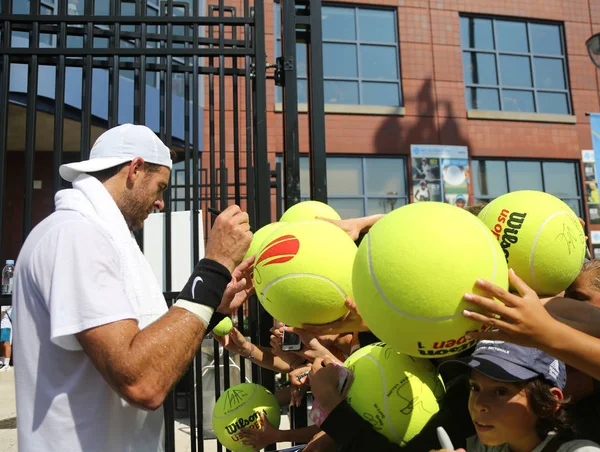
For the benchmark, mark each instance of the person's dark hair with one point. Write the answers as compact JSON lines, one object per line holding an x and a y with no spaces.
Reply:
{"x":476,"y":208}
{"x":543,"y":404}
{"x":105,"y":174}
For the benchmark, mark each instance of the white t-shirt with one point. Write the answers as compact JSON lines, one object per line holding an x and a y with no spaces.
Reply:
{"x":68,"y":280}
{"x":578,"y":445}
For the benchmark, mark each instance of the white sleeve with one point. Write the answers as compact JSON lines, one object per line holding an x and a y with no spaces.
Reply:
{"x":579,"y":445}
{"x":82,"y":281}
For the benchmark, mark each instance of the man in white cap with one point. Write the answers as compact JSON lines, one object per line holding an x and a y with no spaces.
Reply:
{"x":96,"y":349}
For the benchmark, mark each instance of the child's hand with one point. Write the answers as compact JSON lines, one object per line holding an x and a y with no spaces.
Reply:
{"x":312,"y":348}
{"x":235,"y":342}
{"x":259,"y":439}
{"x":523,"y":320}
{"x":321,"y":442}
{"x":351,"y":322}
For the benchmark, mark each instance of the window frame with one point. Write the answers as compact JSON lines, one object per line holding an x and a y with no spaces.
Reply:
{"x":540,"y":162}
{"x":499,"y":87}
{"x":364,"y":196}
{"x":357,"y":43}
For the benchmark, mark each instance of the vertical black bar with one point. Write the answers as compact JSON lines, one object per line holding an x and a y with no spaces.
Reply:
{"x":113,"y":83}
{"x":139,"y":94}
{"x":291,"y":152}
{"x":211,"y":126}
{"x":250,"y":187}
{"x":223,"y":181}
{"x":167,"y":137}
{"x":261,"y":162}
{"x":316,"y":106}
{"x":30,"y":124}
{"x":236,"y":126}
{"x":86,"y":87}
{"x":4,"y":87}
{"x":59,"y":100}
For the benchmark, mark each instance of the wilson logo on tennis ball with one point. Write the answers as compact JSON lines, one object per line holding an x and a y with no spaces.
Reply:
{"x":282,"y":249}
{"x":514,"y":221}
{"x":448,"y":346}
{"x":252,"y":421}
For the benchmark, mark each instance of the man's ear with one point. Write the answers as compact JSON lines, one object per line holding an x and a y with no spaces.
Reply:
{"x":135,"y":169}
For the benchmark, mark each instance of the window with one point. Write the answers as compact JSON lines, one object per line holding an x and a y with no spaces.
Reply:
{"x":360,"y":57}
{"x":514,"y":65}
{"x":492,"y":178}
{"x":359,"y":186}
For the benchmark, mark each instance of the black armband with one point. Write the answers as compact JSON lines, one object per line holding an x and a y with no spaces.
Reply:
{"x":214,"y":320}
{"x":206,"y":284}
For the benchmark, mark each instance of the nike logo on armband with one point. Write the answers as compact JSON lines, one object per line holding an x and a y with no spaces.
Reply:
{"x":196,"y":279}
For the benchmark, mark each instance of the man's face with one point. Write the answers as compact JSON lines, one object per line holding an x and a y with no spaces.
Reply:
{"x":145,"y":196}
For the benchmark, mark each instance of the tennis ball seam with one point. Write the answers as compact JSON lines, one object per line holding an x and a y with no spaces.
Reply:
{"x":385,"y":398}
{"x":532,"y":256}
{"x":296,"y":275}
{"x":254,"y":389}
{"x":427,"y":319}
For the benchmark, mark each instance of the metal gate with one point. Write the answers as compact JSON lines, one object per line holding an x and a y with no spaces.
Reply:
{"x":195,"y":72}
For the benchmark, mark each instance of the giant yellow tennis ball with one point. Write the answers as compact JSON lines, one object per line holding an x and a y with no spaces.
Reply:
{"x":303,"y":272}
{"x":542,"y":238}
{"x":308,"y":210}
{"x":259,"y":237}
{"x":240,"y":407}
{"x":412,"y":270}
{"x":396,"y":393}
{"x":223,"y":327}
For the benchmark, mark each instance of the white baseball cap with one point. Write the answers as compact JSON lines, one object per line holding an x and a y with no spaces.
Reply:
{"x":119,"y":145}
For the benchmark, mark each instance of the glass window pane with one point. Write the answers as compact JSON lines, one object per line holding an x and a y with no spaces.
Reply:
{"x":302,"y":91}
{"x":574,"y":204}
{"x":339,"y":60}
{"x":387,"y":94}
{"x":545,"y":39}
{"x":383,"y":205}
{"x":277,"y":18}
{"x":549,"y":73}
{"x":19,"y":39}
{"x":304,"y":177}
{"x":511,"y":36}
{"x":344,"y":176}
{"x":480,"y":68}
{"x":20,"y":6}
{"x":348,"y":207}
{"x":385,"y":177}
{"x":555,"y":103}
{"x":375,"y":25}
{"x":489,"y":178}
{"x":102,"y":7}
{"x":378,"y":62}
{"x":476,"y":33}
{"x":301,"y":59}
{"x":482,"y":99}
{"x":515,"y":71}
{"x":524,"y":176}
{"x":339,"y":92}
{"x":338,"y":23}
{"x":560,"y":179}
{"x":518,"y":100}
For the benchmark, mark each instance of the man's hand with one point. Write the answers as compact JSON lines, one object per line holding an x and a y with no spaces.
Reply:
{"x":240,"y":287}
{"x":229,"y":238}
{"x":259,"y":439}
{"x":324,"y":384}
{"x":522,"y":318}
{"x":351,"y":322}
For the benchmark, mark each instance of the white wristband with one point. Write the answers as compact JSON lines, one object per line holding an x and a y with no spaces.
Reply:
{"x":204,"y":313}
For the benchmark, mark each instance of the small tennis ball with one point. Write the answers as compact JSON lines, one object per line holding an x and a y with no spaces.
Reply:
{"x":259,"y":237}
{"x":397,"y":394}
{"x":542,"y":238}
{"x":302,"y":273}
{"x":240,"y":407}
{"x":223,"y":327}
{"x":411,"y":273}
{"x":308,"y":210}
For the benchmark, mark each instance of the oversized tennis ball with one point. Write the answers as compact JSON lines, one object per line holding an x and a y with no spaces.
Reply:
{"x":412,"y":270}
{"x":223,"y":327}
{"x":396,"y":393}
{"x":259,"y":237}
{"x":303,"y":273}
{"x":308,"y":210}
{"x":542,"y":238}
{"x":240,"y":407}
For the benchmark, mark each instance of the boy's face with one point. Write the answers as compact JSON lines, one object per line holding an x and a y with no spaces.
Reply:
{"x":584,"y":289}
{"x":500,"y":412}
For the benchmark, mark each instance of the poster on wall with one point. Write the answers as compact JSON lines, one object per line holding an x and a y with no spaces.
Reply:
{"x":591,"y":185}
{"x":596,"y":243}
{"x":440,"y":173}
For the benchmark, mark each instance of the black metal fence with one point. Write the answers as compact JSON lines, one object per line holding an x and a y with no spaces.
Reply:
{"x":194,"y":72}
